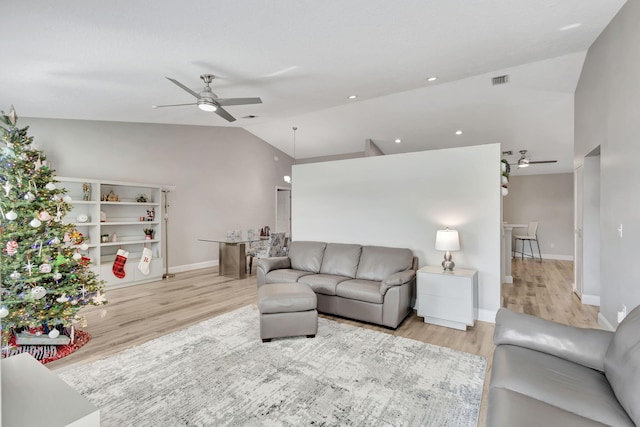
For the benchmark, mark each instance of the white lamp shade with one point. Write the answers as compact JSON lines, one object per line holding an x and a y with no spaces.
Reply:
{"x":447,"y":240}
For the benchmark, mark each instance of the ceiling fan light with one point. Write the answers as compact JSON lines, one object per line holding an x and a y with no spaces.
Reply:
{"x":523,"y":163}
{"x":206,"y":106}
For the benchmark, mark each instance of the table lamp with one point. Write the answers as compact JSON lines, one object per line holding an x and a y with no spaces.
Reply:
{"x":447,"y":240}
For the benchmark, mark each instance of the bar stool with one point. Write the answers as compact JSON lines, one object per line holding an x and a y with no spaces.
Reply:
{"x":532,"y":235}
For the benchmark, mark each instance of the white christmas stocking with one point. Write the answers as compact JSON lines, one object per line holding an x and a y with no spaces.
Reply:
{"x":145,"y":261}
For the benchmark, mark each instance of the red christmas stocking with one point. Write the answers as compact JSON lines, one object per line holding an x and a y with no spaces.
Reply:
{"x":118,"y":264}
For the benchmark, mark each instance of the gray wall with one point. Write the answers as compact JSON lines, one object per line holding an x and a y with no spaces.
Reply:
{"x":607,"y":113}
{"x":225,"y":177}
{"x":547,"y":199}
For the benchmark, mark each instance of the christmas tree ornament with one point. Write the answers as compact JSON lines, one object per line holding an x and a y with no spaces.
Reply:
{"x":84,"y":246}
{"x":45,"y":268}
{"x":44,"y":216}
{"x":119,"y":262}
{"x":12,"y":247}
{"x":29,"y":196}
{"x":67,"y":199}
{"x":7,"y":188}
{"x":57,"y":276}
{"x":54,"y":333}
{"x":74,"y":302}
{"x":77,"y":256}
{"x":38,"y":292}
{"x":55,"y":198}
{"x":28,"y":266}
{"x":12,"y":116}
{"x":50,"y":186}
{"x":145,"y":261}
{"x":15,"y":275}
{"x":55,"y":241}
{"x":63,"y":298}
{"x":12,"y":215}
{"x":35,"y":223}
{"x":99,"y":298}
{"x":4,"y":311}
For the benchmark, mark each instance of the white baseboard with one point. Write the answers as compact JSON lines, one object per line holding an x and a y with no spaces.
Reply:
{"x":558,"y":257}
{"x":546,"y":256}
{"x":590,"y":300}
{"x":604,"y":323}
{"x":487,"y":315}
{"x":195,"y":266}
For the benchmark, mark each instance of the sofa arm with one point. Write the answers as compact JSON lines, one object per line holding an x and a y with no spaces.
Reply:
{"x":266,"y":265}
{"x":579,"y":345}
{"x":397,"y":279}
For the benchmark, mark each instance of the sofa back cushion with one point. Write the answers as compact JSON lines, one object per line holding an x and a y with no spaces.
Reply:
{"x":377,"y":262}
{"x":306,"y":256}
{"x":622,"y":364}
{"x":341,"y":259}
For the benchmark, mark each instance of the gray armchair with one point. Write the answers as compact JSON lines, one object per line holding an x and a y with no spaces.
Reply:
{"x":548,"y":374}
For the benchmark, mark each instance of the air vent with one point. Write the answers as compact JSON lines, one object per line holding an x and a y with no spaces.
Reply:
{"x":500,"y":80}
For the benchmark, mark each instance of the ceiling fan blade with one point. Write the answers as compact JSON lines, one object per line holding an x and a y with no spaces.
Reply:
{"x":225,"y":114}
{"x":537,"y":162}
{"x":238,"y":101}
{"x":183,"y":87}
{"x":172,"y":105}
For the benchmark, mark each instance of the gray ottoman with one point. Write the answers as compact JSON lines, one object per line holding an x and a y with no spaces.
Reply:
{"x":287,"y":310}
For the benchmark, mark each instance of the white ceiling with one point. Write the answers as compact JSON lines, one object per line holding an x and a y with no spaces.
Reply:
{"x":107,"y":61}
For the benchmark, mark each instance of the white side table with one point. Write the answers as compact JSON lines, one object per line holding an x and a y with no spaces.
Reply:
{"x":448,"y":298}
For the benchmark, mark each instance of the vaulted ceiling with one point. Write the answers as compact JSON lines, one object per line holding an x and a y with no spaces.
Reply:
{"x":108,"y":61}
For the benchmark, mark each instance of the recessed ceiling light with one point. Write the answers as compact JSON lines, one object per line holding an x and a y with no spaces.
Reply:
{"x":458,"y":132}
{"x":432,"y":79}
{"x":398,"y":140}
{"x":250,"y":116}
{"x":353,"y":96}
{"x":570,"y":27}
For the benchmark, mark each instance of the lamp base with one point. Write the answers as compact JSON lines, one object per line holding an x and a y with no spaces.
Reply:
{"x":448,"y":264}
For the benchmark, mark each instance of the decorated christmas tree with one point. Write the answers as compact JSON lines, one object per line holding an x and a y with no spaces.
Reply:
{"x":45,"y":279}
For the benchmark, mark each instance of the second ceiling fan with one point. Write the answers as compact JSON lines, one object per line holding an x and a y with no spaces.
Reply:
{"x":524,"y":161}
{"x":209,"y":101}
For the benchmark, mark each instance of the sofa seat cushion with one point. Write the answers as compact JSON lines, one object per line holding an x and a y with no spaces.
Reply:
{"x":341,"y":259}
{"x":306,"y":256}
{"x":557,"y":382}
{"x":508,"y":408}
{"x":323,"y":283}
{"x":285,"y":275}
{"x":377,"y":262}
{"x":361,"y":290}
{"x":285,"y":298}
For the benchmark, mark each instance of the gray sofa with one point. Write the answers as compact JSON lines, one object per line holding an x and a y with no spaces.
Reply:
{"x":548,"y":374}
{"x":369,"y":283}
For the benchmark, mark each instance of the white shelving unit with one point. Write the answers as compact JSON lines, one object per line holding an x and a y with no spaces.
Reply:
{"x":126,"y":219}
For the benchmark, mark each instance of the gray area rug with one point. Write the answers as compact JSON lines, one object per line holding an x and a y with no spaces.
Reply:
{"x":219,"y":372}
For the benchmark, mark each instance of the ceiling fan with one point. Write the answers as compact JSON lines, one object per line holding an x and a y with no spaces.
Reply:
{"x":209,"y":101}
{"x":524,"y":161}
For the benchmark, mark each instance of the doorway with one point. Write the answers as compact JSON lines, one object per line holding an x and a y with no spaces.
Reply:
{"x":589,"y":265}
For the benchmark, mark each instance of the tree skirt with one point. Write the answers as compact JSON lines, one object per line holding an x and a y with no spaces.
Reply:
{"x":219,"y":373}
{"x":47,"y":353}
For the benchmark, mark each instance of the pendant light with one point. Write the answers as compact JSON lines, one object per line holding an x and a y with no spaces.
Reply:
{"x":287,"y":178}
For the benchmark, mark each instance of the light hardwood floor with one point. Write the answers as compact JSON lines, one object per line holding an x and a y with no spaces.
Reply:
{"x":140,"y":313}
